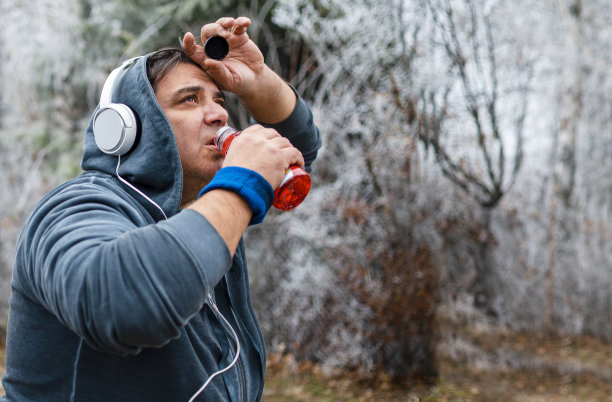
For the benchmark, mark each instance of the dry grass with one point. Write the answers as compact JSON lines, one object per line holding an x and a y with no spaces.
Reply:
{"x":476,"y":362}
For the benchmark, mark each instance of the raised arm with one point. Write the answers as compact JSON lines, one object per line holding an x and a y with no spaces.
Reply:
{"x":266,"y":96}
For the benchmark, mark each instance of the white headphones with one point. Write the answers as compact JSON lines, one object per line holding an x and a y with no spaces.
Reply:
{"x":114,"y":124}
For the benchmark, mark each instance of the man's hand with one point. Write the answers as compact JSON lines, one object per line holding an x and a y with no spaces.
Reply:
{"x":238,"y":71}
{"x":264,"y":151}
{"x":267,"y":97}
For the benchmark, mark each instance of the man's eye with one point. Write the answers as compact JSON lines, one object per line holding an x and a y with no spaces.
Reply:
{"x":190,"y":98}
{"x":220,"y":101}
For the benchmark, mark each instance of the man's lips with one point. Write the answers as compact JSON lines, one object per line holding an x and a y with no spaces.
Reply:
{"x":211,"y":144}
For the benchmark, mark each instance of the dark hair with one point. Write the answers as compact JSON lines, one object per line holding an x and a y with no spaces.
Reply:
{"x":161,"y":62}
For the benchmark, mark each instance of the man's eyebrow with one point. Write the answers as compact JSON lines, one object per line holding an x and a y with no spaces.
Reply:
{"x":197,"y":88}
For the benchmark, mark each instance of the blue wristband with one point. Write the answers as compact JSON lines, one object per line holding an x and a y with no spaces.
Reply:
{"x":250,"y":185}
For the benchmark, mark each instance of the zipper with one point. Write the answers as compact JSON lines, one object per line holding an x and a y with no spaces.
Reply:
{"x":240,"y":369}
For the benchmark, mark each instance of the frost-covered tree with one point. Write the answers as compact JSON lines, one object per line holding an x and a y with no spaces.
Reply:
{"x":38,"y":49}
{"x":410,"y":93}
{"x":471,"y":40}
{"x":367,"y":276}
{"x":474,"y":103}
{"x":579,"y":254}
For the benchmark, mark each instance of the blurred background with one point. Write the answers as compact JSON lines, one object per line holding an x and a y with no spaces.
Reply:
{"x":456,"y":244}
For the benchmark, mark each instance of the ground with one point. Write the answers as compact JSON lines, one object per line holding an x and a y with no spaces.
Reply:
{"x":477,"y":363}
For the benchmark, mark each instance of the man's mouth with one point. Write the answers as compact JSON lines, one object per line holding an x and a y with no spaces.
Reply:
{"x":212,"y":145}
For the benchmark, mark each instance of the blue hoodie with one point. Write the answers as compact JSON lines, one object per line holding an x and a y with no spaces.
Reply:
{"x":109,"y":300}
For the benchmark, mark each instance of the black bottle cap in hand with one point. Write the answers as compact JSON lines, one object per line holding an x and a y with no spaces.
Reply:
{"x":216,"y":47}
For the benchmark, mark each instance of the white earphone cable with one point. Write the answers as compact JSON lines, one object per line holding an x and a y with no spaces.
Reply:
{"x":214,"y":307}
{"x":135,"y":189}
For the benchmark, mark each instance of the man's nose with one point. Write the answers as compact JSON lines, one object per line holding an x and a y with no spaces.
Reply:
{"x":215,"y":114}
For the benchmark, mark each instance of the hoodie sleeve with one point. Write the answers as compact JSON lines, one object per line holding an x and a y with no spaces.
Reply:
{"x":300,"y":129}
{"x":90,"y":259}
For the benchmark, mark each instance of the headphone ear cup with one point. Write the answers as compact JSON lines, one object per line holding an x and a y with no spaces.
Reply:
{"x":115,"y":129}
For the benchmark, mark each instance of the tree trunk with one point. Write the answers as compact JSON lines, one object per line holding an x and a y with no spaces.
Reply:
{"x":564,"y":170}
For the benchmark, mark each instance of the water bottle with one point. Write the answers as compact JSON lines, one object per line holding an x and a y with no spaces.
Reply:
{"x":295,"y":184}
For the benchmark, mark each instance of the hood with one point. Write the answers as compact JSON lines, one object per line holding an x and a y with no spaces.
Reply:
{"x":153,"y":164}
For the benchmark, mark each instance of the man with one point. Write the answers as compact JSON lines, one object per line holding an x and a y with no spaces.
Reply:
{"x":119,"y":272}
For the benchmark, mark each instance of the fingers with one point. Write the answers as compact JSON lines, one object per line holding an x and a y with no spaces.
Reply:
{"x":213,"y":29}
{"x":295,"y":157}
{"x":290,"y":154}
{"x":225,"y":27}
{"x":195,"y":52}
{"x":265,"y":151}
{"x":240,"y":25}
{"x":225,"y":22}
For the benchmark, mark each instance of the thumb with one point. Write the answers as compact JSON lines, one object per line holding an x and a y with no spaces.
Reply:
{"x":195,"y":52}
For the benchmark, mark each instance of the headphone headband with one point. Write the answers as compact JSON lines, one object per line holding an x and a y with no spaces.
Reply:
{"x":109,"y":84}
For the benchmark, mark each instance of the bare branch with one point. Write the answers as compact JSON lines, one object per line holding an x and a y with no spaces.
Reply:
{"x":477,"y":73}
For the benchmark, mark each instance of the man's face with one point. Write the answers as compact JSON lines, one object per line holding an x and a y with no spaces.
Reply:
{"x":195,"y":108}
